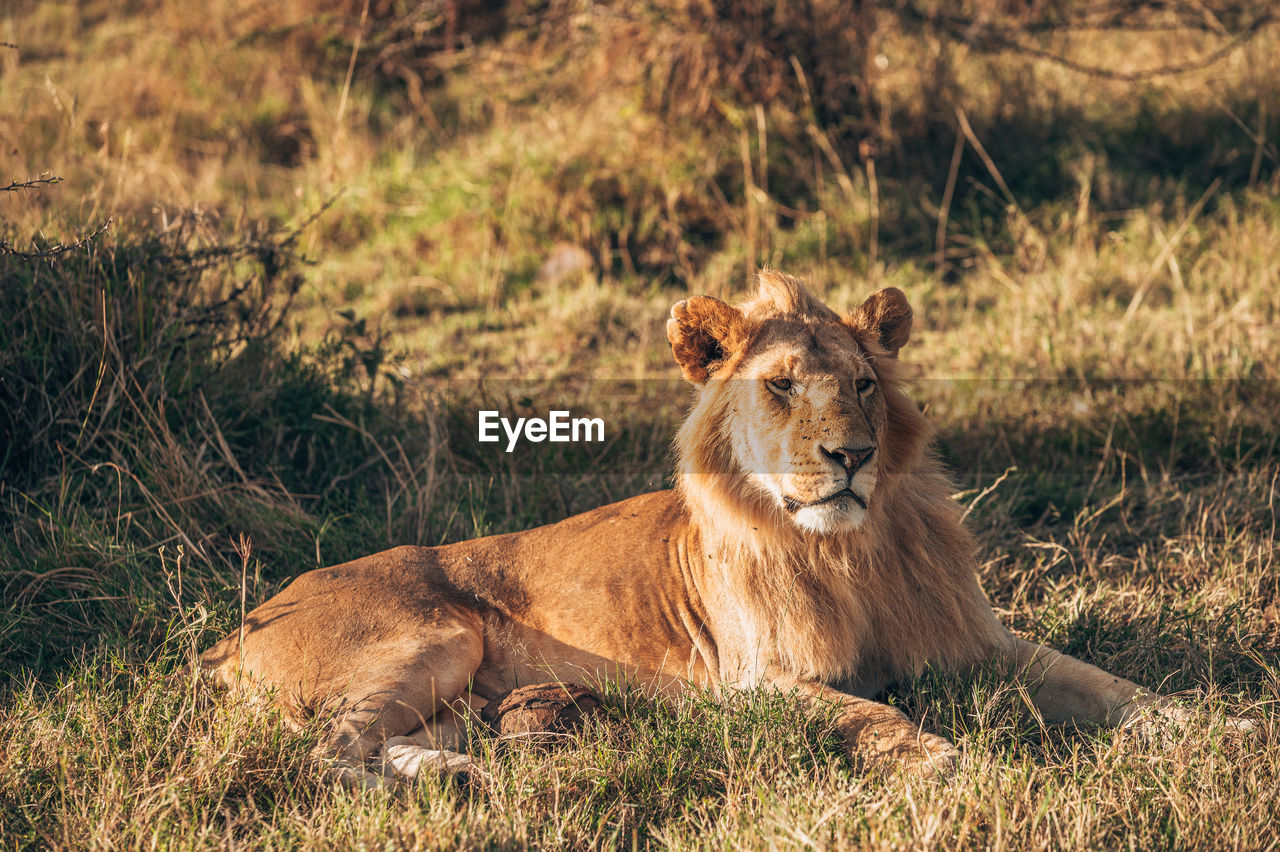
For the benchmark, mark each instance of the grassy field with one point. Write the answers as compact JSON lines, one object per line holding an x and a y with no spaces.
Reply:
{"x":337,"y":229}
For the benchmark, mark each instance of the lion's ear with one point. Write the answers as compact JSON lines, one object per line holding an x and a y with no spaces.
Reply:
{"x":703,"y":332}
{"x":883,"y":319}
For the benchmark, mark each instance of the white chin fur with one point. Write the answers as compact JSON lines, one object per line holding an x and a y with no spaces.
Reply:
{"x":830,"y":518}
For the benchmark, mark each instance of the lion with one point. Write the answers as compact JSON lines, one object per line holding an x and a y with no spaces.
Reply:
{"x":810,"y":545}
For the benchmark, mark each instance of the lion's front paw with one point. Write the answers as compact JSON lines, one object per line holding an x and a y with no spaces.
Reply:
{"x":906,"y":748}
{"x":939,"y":755}
{"x":1166,"y":718}
{"x":928,"y":755}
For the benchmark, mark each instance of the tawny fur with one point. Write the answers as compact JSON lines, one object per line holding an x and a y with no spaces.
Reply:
{"x":811,"y":544}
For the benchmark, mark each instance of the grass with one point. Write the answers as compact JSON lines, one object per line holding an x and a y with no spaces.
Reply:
{"x":330,"y":247}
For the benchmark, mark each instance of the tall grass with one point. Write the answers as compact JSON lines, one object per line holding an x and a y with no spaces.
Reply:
{"x":151,"y":412}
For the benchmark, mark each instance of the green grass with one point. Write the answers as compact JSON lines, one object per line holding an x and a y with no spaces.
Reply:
{"x":209,"y":400}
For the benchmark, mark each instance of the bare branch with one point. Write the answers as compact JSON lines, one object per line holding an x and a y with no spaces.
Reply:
{"x":1007,"y":40}
{"x":985,"y":34}
{"x":7,"y":249}
{"x":30,"y":183}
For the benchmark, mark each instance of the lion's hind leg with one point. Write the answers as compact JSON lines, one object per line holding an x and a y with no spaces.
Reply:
{"x":397,"y":702}
{"x":402,"y":758}
{"x":438,"y":746}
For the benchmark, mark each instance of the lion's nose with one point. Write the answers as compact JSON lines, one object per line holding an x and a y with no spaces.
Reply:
{"x":850,"y":458}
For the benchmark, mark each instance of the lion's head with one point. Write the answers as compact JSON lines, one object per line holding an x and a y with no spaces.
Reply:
{"x":799,"y":424}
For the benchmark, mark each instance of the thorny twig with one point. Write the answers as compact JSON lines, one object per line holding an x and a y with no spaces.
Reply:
{"x":43,"y":180}
{"x":983,"y":33}
{"x":6,"y":247}
{"x":31,"y":183}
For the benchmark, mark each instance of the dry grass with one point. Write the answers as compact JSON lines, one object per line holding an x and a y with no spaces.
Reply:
{"x":1095,"y":266}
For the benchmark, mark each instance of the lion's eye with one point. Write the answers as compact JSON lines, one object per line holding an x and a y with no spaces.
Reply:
{"x":779,"y":385}
{"x":864,"y":385}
